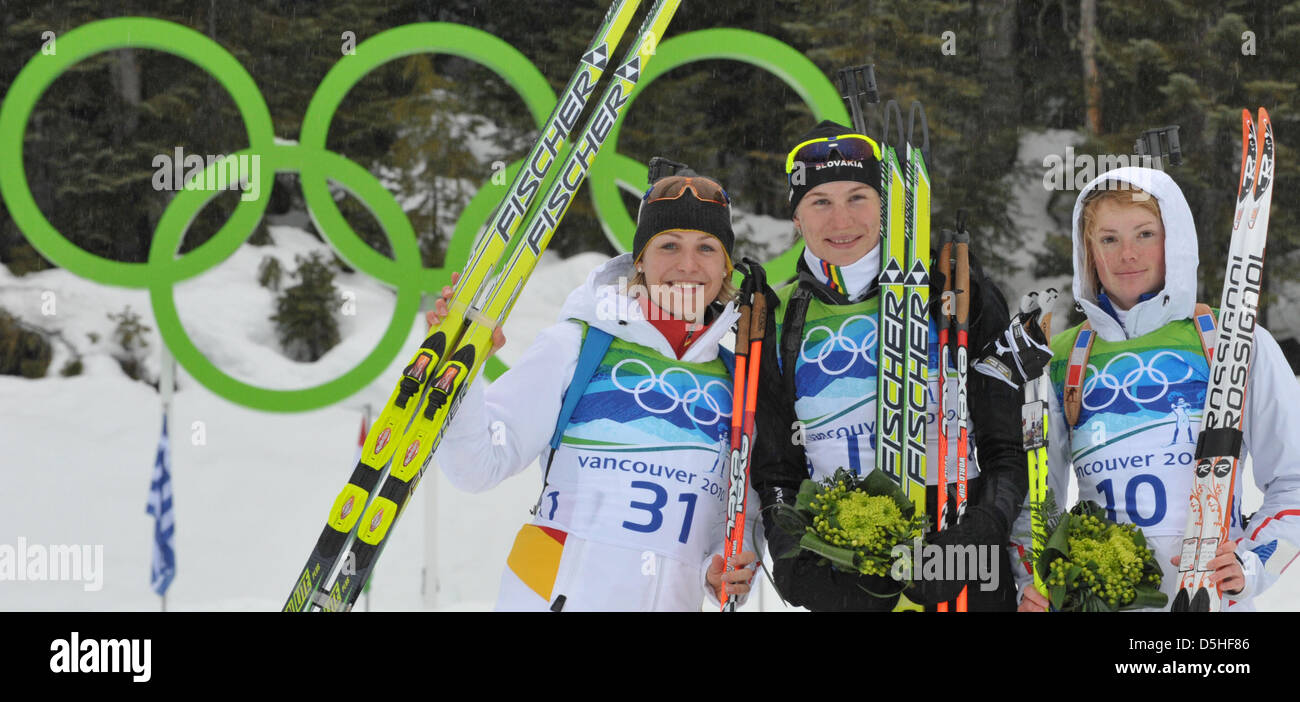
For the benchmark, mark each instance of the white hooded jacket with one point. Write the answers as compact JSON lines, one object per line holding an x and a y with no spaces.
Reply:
{"x":1178,"y":298}
{"x":498,"y":432}
{"x":1272,"y":425}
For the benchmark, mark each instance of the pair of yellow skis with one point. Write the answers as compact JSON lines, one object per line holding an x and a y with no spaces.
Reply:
{"x":904,"y":317}
{"x":412,"y":422}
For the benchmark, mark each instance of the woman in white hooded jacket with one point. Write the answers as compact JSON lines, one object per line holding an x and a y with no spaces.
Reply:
{"x":631,"y":515}
{"x":1131,"y":447}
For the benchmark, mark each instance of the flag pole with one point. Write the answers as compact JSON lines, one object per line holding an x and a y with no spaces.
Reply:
{"x":166,"y":389}
{"x":166,"y":378}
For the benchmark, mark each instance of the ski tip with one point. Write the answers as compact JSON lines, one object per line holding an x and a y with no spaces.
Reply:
{"x":1263,"y":157}
{"x":1266,"y":132}
{"x":1247,"y":145}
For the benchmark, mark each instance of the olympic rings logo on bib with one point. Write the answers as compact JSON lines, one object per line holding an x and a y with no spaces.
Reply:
{"x":842,"y":342}
{"x":316,"y":165}
{"x":1127,"y":384}
{"x":660,"y":392}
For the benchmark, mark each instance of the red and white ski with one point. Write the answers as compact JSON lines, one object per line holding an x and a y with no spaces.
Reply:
{"x":1218,"y":450}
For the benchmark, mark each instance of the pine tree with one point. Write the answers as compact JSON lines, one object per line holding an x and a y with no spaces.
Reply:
{"x":305,"y":313}
{"x":130,"y":334}
{"x":1198,"y":65}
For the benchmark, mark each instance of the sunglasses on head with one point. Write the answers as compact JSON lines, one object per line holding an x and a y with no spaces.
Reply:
{"x":672,"y":187}
{"x":851,"y":147}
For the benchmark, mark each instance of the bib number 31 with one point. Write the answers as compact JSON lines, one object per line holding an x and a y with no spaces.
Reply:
{"x":656,"y":510}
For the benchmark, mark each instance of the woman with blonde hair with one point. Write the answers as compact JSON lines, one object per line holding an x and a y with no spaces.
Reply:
{"x":626,"y":404}
{"x":1135,"y":261}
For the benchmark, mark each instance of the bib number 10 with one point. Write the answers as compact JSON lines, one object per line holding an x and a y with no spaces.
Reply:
{"x":1107,"y":489}
{"x":656,"y":510}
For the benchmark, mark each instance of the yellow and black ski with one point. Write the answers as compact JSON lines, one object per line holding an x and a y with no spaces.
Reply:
{"x":485,"y":311}
{"x":332,"y":547}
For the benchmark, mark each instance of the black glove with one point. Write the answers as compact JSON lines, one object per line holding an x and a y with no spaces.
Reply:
{"x":802,"y":581}
{"x":980,"y":527}
{"x":1022,"y":352}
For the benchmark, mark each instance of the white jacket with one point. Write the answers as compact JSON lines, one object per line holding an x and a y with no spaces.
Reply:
{"x":1272,"y":423}
{"x":497,"y":432}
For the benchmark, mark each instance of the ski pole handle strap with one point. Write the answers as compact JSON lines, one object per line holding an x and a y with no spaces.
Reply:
{"x":961,"y":270}
{"x":758,"y":318}
{"x":756,"y":278}
{"x":742,"y":334}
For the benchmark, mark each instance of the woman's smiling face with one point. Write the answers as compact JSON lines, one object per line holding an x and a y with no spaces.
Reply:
{"x":684,"y":271}
{"x":1128,"y":249}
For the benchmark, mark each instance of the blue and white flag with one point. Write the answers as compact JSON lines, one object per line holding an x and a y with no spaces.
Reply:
{"x":160,"y":507}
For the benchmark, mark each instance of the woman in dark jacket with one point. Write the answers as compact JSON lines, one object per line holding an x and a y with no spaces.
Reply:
{"x":817,"y":405}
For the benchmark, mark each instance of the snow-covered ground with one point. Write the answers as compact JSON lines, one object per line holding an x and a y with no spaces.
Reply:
{"x":252,"y":489}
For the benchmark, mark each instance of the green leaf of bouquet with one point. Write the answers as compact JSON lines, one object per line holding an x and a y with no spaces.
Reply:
{"x":807,"y":491}
{"x":1148,"y":596}
{"x":1093,"y":603}
{"x":1059,"y":541}
{"x":1072,"y":574}
{"x":842,"y":557}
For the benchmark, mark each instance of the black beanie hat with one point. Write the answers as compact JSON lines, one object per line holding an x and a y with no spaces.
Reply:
{"x":683,"y":212}
{"x":816,"y":173}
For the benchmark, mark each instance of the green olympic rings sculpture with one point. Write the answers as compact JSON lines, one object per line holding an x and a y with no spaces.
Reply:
{"x":316,"y":164}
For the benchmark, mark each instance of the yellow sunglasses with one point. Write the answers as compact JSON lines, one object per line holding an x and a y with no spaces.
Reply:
{"x":854,"y":147}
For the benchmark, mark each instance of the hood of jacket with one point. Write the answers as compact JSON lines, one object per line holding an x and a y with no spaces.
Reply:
{"x":1177,"y":300}
{"x":602,"y":302}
